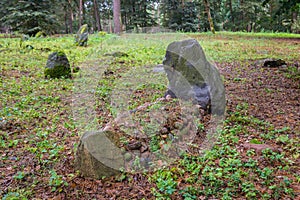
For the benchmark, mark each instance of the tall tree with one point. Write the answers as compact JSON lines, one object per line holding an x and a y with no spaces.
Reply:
{"x":180,"y":15}
{"x":117,"y":16}
{"x":231,"y":11}
{"x":209,"y":18}
{"x":31,"y":16}
{"x":80,"y":13}
{"x":71,"y":16}
{"x":138,"y":13}
{"x":5,"y":6}
{"x":97,"y":16}
{"x":65,"y":10}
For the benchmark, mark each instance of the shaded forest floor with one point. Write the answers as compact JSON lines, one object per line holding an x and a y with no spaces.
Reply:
{"x":257,"y":155}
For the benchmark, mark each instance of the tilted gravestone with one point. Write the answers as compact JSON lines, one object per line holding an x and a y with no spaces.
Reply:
{"x":57,"y":66}
{"x":81,"y":37}
{"x":192,"y":77}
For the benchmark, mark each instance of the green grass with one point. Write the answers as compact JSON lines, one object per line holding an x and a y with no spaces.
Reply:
{"x":40,"y":133}
{"x":270,"y":35}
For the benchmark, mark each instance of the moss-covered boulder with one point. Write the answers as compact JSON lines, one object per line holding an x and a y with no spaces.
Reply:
{"x":40,"y":34}
{"x":57,"y":66}
{"x":81,"y":37}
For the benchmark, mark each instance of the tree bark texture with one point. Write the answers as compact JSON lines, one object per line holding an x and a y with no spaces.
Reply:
{"x":80,"y":13}
{"x":97,"y":16}
{"x":117,"y":16}
{"x":70,"y":16}
{"x":210,"y":20}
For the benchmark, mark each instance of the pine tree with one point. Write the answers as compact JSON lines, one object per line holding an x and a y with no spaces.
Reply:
{"x":180,"y":15}
{"x":30,"y":16}
{"x":138,"y":13}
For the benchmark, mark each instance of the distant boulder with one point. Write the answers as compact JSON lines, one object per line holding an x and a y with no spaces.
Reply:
{"x":81,"y":37}
{"x":40,"y":34}
{"x":57,"y":66}
{"x":25,"y":38}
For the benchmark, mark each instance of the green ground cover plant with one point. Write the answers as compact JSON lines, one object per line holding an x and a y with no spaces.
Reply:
{"x":39,"y":135}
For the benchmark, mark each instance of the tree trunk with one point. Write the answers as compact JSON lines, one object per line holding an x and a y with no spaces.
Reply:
{"x":110,"y":22}
{"x":117,"y":16}
{"x":66,"y":21}
{"x":294,"y":20}
{"x":243,"y":15}
{"x":231,"y":13}
{"x":211,"y":23}
{"x":145,"y":11}
{"x":80,"y":12}
{"x":71,"y":17}
{"x":125,"y":20}
{"x":97,"y":16}
{"x":71,"y":21}
{"x":135,"y":15}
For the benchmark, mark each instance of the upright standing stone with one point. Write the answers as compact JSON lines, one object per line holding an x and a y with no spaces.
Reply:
{"x":98,"y":156}
{"x":192,"y":77}
{"x":81,"y":37}
{"x":57,"y":66}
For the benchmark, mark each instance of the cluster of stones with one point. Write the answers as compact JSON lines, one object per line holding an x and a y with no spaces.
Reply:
{"x":191,"y":77}
{"x":58,"y":64}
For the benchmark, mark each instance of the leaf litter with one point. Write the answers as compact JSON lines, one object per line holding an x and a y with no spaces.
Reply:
{"x":269,"y":96}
